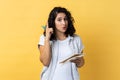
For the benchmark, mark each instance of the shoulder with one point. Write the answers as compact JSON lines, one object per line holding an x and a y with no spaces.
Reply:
{"x":42,"y":36}
{"x":76,"y":37}
{"x":42,"y":39}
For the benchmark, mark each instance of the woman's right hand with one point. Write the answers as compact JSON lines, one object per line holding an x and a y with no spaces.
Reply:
{"x":45,"y":50}
{"x":49,"y":32}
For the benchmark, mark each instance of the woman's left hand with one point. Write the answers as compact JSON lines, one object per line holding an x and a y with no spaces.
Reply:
{"x":79,"y":61}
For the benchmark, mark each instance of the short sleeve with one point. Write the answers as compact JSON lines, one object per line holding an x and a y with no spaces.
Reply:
{"x":80,"y":44}
{"x":41,"y":40}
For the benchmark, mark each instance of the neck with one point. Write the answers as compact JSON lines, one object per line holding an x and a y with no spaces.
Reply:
{"x":60,"y":36}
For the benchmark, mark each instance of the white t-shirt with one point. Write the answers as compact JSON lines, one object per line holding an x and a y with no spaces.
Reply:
{"x":63,"y":71}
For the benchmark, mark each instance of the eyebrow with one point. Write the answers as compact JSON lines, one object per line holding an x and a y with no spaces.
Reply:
{"x":62,"y":17}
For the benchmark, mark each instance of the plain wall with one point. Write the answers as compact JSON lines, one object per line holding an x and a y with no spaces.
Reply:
{"x":96,"y":21}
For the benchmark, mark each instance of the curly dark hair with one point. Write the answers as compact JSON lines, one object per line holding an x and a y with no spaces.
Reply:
{"x":51,"y":21}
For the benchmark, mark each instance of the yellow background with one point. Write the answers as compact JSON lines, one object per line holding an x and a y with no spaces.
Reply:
{"x":96,"y":21}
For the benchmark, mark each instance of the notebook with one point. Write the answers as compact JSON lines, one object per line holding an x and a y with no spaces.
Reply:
{"x":72,"y":57}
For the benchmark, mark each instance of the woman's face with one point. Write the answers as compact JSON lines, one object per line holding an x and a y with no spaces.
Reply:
{"x":61,"y":22}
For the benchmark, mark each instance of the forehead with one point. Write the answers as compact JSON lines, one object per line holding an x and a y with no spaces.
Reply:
{"x":61,"y":15}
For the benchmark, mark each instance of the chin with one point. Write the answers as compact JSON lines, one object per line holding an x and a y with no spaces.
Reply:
{"x":63,"y":31}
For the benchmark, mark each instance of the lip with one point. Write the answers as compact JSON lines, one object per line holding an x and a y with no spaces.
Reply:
{"x":64,"y":28}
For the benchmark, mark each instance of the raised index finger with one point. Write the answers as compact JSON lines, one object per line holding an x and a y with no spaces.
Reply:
{"x":47,"y":25}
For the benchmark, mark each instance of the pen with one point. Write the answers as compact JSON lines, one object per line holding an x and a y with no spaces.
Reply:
{"x":44,"y":27}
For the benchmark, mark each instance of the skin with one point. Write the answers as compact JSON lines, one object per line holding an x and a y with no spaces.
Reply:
{"x":61,"y":24}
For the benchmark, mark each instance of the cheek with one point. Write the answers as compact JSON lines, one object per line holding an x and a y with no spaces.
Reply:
{"x":57,"y":23}
{"x":67,"y":22}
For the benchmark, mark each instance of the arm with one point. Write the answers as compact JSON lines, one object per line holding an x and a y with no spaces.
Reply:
{"x":45,"y":53}
{"x":45,"y":50}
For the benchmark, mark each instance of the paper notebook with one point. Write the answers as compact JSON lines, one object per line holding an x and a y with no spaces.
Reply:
{"x":73,"y":57}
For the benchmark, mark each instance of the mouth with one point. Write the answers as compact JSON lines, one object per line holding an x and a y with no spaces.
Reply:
{"x":64,"y":28}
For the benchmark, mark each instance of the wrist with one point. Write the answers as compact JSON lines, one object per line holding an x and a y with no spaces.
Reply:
{"x":77,"y":64}
{"x":47,"y":39}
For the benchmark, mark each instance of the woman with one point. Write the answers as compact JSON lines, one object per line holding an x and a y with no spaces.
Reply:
{"x":57,"y":43}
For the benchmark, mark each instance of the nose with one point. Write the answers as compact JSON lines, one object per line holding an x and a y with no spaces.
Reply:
{"x":63,"y":21}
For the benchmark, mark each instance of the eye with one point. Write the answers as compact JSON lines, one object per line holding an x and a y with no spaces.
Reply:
{"x":59,"y":19}
{"x":65,"y":19}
